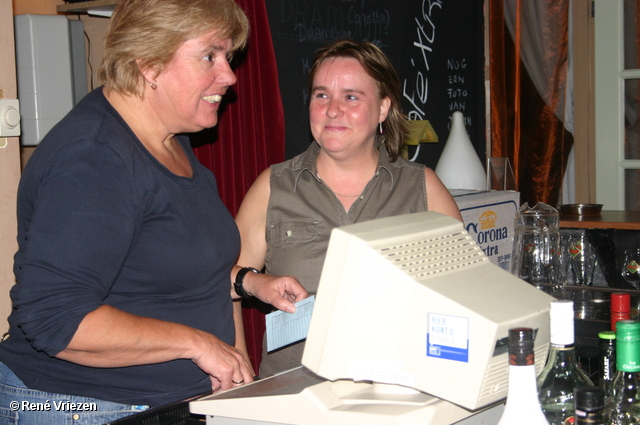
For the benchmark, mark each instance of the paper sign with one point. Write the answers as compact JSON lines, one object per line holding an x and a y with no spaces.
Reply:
{"x":286,"y":328}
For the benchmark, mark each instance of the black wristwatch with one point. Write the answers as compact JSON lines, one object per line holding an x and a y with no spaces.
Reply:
{"x":237,"y":285}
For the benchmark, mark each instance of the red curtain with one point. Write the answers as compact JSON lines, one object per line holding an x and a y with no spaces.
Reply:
{"x":524,"y":127}
{"x":249,"y":136}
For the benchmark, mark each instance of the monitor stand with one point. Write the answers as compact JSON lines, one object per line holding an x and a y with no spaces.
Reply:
{"x":299,"y":396}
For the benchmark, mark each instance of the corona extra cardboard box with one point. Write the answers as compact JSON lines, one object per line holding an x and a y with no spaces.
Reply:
{"x":489,"y":217}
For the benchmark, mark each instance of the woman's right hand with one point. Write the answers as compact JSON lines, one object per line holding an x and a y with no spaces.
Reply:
{"x":225,"y":365}
{"x":109,"y":337}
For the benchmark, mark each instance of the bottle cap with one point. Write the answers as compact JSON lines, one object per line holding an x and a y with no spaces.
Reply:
{"x":627,"y":329}
{"x":607,"y":335}
{"x":628,"y":346}
{"x":620,"y":302}
{"x":521,"y":347}
{"x":589,"y":398}
{"x":561,"y":318}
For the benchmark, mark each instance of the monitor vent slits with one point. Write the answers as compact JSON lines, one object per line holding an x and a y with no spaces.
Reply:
{"x":433,"y":255}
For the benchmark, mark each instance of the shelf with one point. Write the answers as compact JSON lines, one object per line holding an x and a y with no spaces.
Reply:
{"x":623,"y":220}
{"x":604,"y":289}
{"x":85,"y":6}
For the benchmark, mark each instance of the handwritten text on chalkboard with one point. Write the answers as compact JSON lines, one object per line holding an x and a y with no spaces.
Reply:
{"x":317,"y":22}
{"x":457,"y":89}
{"x":435,"y":45}
{"x":416,"y":90}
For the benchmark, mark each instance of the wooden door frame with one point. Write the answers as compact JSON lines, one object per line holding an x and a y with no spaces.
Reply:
{"x":9,"y":165}
{"x":583,"y":102}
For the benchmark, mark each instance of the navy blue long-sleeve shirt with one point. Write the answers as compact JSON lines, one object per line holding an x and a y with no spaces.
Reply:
{"x":101,"y":221}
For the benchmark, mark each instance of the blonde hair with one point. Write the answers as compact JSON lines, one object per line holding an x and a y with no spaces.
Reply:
{"x":146,"y":34}
{"x":378,"y":66}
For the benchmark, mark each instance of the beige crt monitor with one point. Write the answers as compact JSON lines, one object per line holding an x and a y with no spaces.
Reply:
{"x":410,"y":326}
{"x":412,"y":300}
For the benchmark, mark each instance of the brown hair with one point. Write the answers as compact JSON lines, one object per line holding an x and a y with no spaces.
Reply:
{"x":379,"y":67}
{"x":150,"y":31}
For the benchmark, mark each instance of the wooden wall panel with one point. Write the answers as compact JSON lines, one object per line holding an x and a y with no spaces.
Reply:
{"x":37,"y":7}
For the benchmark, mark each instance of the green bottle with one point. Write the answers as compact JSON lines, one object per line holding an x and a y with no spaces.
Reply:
{"x":626,"y":382}
{"x":561,"y":374}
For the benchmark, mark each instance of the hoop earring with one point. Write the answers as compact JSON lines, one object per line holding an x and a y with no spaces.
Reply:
{"x":154,"y":85}
{"x":381,"y":131}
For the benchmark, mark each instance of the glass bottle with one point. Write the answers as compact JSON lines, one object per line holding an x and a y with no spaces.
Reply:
{"x":522,"y":406}
{"x":607,"y":361}
{"x":634,"y":411}
{"x":561,"y":374}
{"x":589,"y":403}
{"x":626,"y":382}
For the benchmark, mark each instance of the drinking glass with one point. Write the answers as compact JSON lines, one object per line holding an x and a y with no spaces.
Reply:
{"x":630,"y":270}
{"x":500,"y":174}
{"x":583,"y":306}
{"x":579,"y":257}
{"x":535,"y":248}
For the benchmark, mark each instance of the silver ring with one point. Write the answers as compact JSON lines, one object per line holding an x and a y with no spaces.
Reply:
{"x":238,"y":382}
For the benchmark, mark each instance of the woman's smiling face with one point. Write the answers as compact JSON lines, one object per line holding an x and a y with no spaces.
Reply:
{"x":345,"y":106}
{"x":191,"y":87}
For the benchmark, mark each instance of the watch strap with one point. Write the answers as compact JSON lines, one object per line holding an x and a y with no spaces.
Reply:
{"x":238,"y":284}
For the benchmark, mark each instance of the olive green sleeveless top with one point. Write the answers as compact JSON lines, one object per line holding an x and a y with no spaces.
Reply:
{"x":302,"y":211}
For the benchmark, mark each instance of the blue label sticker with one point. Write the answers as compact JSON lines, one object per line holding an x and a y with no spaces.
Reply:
{"x":448,"y":337}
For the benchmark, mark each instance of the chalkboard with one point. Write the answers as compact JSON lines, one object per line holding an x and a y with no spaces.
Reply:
{"x":437,"y":47}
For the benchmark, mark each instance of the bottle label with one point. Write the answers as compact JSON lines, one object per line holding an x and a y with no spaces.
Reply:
{"x":607,"y":372}
{"x":591,"y":418}
{"x":627,"y":356}
{"x":630,"y":367}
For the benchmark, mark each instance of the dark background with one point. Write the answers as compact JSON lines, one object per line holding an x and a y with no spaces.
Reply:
{"x":437,"y":47}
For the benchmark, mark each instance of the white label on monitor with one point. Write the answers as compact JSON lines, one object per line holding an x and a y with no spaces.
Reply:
{"x":448,"y":337}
